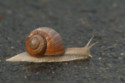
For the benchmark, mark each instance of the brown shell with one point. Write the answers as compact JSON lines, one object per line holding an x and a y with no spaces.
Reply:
{"x":44,"y":41}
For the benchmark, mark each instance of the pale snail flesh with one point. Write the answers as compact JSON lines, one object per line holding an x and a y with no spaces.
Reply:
{"x":53,"y":44}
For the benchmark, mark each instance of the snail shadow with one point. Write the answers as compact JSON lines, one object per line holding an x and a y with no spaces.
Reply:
{"x":41,"y":67}
{"x":49,"y":67}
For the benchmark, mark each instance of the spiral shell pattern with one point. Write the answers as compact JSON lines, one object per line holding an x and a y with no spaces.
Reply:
{"x":44,"y":41}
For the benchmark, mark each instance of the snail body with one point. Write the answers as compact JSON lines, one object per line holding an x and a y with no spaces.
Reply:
{"x":45,"y":45}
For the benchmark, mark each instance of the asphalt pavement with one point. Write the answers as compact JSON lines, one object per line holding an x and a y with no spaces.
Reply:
{"x":76,"y":21}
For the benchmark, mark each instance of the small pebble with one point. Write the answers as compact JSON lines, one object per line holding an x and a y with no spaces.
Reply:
{"x":120,"y":58}
{"x":53,"y":72}
{"x":25,"y":76}
{"x":12,"y":47}
{"x":104,"y":69}
{"x":100,"y":58}
{"x":121,"y":53}
{"x":114,"y":5}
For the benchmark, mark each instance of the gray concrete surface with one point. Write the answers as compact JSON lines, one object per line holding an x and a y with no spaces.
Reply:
{"x":76,"y":21}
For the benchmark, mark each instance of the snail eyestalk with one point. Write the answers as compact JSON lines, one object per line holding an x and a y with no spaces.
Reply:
{"x":88,"y":46}
{"x":92,"y":45}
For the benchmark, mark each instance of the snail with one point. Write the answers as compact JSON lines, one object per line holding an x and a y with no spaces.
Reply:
{"x":44,"y":44}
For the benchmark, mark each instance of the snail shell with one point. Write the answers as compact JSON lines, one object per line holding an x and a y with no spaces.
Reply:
{"x":44,"y":41}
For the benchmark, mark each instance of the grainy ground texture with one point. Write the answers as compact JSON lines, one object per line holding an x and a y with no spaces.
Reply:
{"x":76,"y":21}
